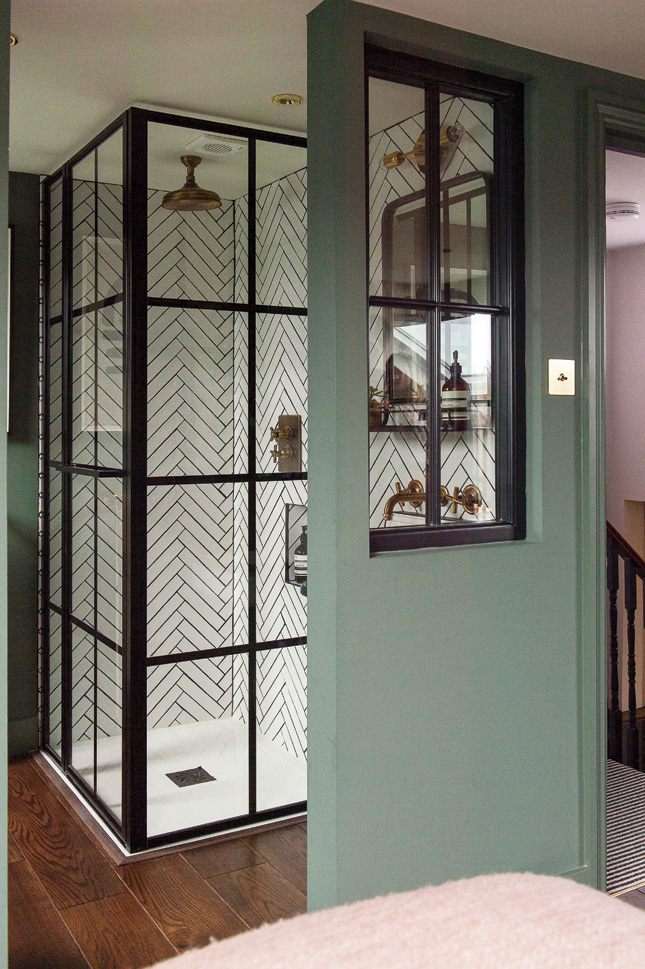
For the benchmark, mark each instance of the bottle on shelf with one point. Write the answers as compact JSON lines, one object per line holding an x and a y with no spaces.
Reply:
{"x":300,"y":558}
{"x":455,"y":399}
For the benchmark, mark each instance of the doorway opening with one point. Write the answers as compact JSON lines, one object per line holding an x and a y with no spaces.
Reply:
{"x":625,"y":504}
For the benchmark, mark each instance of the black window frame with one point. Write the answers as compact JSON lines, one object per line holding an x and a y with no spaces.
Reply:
{"x":506,"y":297}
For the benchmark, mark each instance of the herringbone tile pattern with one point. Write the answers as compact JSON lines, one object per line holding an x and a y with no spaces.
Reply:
{"x":190,"y":392}
{"x":190,"y":568}
{"x":191,"y":255}
{"x":282,"y":241}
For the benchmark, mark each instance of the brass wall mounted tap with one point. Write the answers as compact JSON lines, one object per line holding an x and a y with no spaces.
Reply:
{"x":282,"y":433}
{"x":414,"y":494}
{"x":470,"y":499}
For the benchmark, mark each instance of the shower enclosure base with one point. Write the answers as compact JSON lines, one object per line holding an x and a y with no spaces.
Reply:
{"x":220,"y":748}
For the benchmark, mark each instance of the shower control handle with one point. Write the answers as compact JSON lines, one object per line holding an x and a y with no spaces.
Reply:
{"x":281,"y":433}
{"x":285,"y":452}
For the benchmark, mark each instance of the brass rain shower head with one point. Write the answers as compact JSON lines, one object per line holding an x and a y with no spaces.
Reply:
{"x":191,"y":198}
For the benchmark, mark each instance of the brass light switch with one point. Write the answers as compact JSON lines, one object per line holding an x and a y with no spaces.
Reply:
{"x":562,"y":378}
{"x":287,"y":450}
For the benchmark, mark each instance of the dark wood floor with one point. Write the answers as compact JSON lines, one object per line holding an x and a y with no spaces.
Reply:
{"x":73,"y":905}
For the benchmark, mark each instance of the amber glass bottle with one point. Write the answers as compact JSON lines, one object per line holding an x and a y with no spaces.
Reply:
{"x":455,"y":399}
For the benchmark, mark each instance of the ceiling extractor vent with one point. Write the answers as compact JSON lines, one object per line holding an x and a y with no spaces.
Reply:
{"x":621,"y":211}
{"x":215,"y":145}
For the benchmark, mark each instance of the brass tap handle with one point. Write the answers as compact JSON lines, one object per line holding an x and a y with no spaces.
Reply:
{"x":285,"y":452}
{"x":281,"y":433}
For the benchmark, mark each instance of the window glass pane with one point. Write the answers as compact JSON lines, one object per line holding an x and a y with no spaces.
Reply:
{"x":397,"y":420}
{"x":467,"y":423}
{"x":83,"y":545}
{"x":396,"y":176}
{"x":191,"y":253}
{"x":466,"y":168}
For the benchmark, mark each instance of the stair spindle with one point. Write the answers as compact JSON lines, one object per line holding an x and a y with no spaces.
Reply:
{"x":632,"y":738}
{"x":614,"y":716}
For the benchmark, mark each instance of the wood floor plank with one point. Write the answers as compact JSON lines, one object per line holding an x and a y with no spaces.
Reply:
{"x":38,"y":938}
{"x":13,"y":851}
{"x":216,"y":859}
{"x":286,"y":849}
{"x":69,"y":866}
{"x":116,"y":933}
{"x":184,"y":906}
{"x":259,"y":894}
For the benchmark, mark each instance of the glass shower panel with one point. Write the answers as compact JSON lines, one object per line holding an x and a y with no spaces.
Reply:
{"x":56,"y":249}
{"x":281,"y":390}
{"x":109,"y":218}
{"x":281,"y":225}
{"x":197,"y":743}
{"x":55,"y":538}
{"x":84,"y":232}
{"x":55,"y":682}
{"x":109,"y":556}
{"x":83,"y":548}
{"x":83,"y":703}
{"x":281,"y":727}
{"x":193,"y":254}
{"x":85,"y":422}
{"x":197,"y":416}
{"x":55,"y":388}
{"x":109,"y":723}
{"x":197,"y":600}
{"x":281,"y":609}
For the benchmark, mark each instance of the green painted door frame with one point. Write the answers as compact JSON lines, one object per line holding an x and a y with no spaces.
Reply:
{"x":457,"y":696}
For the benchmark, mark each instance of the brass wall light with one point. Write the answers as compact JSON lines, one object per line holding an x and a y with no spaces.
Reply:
{"x":191,"y":198}
{"x":449,"y":138}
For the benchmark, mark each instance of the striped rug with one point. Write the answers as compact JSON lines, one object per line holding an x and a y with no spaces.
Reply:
{"x":625,"y":828}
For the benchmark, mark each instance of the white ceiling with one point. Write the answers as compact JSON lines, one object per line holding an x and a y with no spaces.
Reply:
{"x":80,"y":63}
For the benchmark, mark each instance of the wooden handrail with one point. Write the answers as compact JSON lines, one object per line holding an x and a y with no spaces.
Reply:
{"x":626,"y":551}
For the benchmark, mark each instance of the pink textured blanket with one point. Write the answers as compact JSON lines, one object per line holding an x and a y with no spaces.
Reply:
{"x":491,"y":922}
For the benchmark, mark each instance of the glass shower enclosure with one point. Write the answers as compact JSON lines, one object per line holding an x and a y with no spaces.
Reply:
{"x":173,"y":649}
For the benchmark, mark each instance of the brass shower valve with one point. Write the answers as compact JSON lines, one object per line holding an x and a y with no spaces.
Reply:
{"x":285,"y":452}
{"x":281,"y":433}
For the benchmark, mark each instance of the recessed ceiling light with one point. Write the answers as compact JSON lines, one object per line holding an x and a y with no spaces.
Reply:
{"x":287,"y":99}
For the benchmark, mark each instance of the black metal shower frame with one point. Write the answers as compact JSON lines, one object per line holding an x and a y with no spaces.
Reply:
{"x":131,"y":830}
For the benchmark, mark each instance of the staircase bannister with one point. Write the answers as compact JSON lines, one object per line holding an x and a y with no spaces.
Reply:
{"x":614,"y":716}
{"x":634,"y":567}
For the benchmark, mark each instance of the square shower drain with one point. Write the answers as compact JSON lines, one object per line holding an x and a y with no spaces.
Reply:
{"x":186,"y":778}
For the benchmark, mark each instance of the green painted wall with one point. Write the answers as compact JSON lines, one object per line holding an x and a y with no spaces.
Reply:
{"x":22,"y":465}
{"x":4,"y":148}
{"x":455,"y":695}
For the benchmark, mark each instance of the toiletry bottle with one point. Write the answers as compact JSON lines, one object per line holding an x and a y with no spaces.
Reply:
{"x":455,"y":399}
{"x":300,"y":558}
